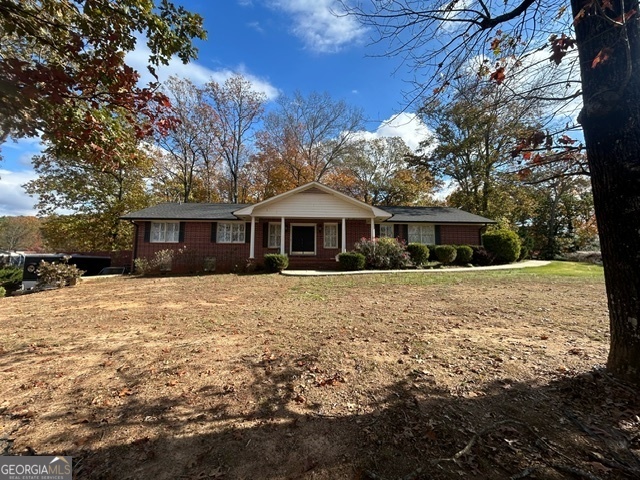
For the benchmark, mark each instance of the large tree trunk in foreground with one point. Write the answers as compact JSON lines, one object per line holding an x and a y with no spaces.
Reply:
{"x":610,"y":69}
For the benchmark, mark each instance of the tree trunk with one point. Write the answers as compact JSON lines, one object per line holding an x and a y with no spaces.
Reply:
{"x":611,"y":124}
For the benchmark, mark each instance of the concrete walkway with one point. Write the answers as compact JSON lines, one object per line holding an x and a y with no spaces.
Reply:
{"x":321,"y":273}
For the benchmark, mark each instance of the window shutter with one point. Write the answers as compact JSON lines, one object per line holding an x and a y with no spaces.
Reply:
{"x":377,"y":229}
{"x":147,"y":232}
{"x":437,"y":229}
{"x":265,"y":234}
{"x":181,"y":233}
{"x":214,"y":232}
{"x":247,"y":233}
{"x":396,"y":230}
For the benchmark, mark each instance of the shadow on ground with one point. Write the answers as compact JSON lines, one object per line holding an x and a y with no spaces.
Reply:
{"x":585,"y":426}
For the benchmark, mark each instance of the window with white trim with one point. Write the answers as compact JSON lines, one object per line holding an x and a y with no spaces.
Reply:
{"x":230,"y":232}
{"x":165,"y":232}
{"x":424,"y":234}
{"x":275,"y":235}
{"x":386,"y":230}
{"x":330,"y":235}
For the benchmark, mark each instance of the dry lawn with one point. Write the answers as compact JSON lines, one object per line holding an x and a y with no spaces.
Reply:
{"x":449,"y":376}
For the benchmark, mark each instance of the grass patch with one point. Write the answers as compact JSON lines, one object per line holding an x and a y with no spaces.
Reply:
{"x":568,"y":269}
{"x":555,"y":270}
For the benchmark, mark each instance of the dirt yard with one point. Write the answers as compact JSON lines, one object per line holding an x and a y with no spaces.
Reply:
{"x":454,"y":376}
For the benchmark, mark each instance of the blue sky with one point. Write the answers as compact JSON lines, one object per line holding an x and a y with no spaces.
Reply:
{"x":281,"y":46}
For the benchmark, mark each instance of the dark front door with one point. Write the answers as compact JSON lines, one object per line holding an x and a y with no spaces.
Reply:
{"x":303,"y":239}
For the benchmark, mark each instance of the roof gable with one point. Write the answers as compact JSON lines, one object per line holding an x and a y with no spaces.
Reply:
{"x":312,"y":200}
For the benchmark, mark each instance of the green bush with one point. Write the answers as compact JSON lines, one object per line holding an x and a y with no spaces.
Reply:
{"x":383,"y":253}
{"x":3,"y":292}
{"x":57,"y":274}
{"x":351,"y":261}
{"x":445,"y":253}
{"x":464,"y":254}
{"x":504,"y":244}
{"x":419,"y":253}
{"x":10,"y":279}
{"x":275,"y":262}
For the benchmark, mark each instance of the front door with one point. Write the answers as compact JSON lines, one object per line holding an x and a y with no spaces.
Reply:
{"x":303,"y":239}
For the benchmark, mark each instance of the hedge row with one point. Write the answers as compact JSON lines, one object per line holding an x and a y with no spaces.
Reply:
{"x":500,"y":246}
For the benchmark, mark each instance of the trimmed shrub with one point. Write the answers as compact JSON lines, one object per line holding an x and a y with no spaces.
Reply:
{"x":432,"y":253}
{"x":504,"y":244}
{"x":383,"y":253}
{"x":275,"y":262}
{"x":57,"y":274}
{"x":445,"y":253}
{"x":3,"y":292}
{"x":351,"y":261}
{"x":482,"y":257}
{"x":419,"y":253}
{"x":464,"y":254}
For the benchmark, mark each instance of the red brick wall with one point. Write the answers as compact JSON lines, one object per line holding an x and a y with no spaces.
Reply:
{"x":234,"y":257}
{"x":197,"y":240}
{"x":460,"y":234}
{"x":324,"y":258}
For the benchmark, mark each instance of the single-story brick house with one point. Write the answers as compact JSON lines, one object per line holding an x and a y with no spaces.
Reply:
{"x":311,"y":224}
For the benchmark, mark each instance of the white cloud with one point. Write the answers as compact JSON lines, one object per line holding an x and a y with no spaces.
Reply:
{"x":407,"y":126}
{"x":14,"y":200}
{"x":20,"y":151}
{"x":256,"y":26}
{"x":138,"y":59}
{"x":321,"y":25}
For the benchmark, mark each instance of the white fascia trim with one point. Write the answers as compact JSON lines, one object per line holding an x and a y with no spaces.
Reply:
{"x":377,"y":212}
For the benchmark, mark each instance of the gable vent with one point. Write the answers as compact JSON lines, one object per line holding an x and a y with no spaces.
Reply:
{"x":314,"y":190}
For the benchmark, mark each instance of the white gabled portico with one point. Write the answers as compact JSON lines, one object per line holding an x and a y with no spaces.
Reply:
{"x":312,"y":201}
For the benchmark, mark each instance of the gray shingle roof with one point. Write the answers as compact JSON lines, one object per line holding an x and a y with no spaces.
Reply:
{"x":187,"y":211}
{"x":433,"y":215}
{"x":224,"y":211}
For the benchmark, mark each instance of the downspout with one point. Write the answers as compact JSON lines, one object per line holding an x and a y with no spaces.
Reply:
{"x":252,"y":239}
{"x":134,"y":252}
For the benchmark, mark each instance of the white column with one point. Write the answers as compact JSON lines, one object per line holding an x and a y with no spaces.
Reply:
{"x":252,"y":245}
{"x":373,"y":228}
{"x":343,"y":240}
{"x":282,"y":236}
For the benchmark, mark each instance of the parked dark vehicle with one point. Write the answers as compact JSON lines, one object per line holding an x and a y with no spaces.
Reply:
{"x":92,"y":265}
{"x":114,"y":271}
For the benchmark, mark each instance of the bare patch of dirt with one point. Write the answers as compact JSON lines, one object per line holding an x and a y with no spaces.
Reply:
{"x":382,"y":377}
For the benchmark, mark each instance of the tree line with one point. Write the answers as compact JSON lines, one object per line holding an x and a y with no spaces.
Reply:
{"x":225,"y":145}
